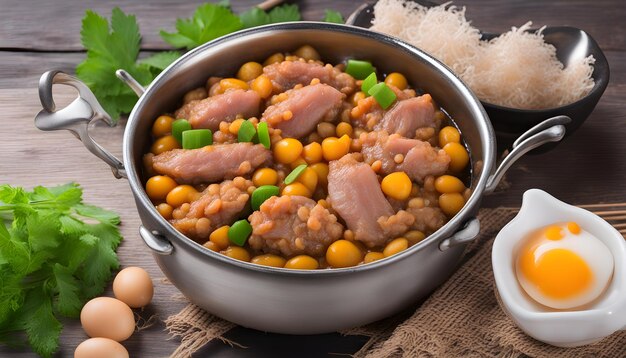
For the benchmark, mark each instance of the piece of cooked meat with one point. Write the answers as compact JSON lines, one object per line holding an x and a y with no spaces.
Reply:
{"x":427,"y":219}
{"x":218,"y":205}
{"x":211,"y":163}
{"x":355,"y":194}
{"x":419,"y":158}
{"x":408,"y":115}
{"x":293,"y":225}
{"x":303,"y":109}
{"x":209,"y":112}
{"x":368,"y":113}
{"x":285,"y":75}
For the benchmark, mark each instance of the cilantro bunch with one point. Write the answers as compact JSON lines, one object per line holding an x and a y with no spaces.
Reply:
{"x":117,"y":47}
{"x":55,"y":254}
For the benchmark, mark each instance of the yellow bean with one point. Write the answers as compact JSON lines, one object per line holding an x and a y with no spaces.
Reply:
{"x":451,"y":203}
{"x":296,"y":189}
{"x":373,"y":256}
{"x":344,"y":128}
{"x":302,"y":262}
{"x":159,"y":186}
{"x":396,"y":79}
{"x":309,"y":179}
{"x":211,"y":246}
{"x":322,"y":172}
{"x":312,"y":153}
{"x":296,"y":163}
{"x":308,"y":53}
{"x":449,"y":134}
{"x":343,"y":253}
{"x":334,"y":148}
{"x":397,"y":185}
{"x":287,"y":150}
{"x":269,"y":260}
{"x":180,"y":195}
{"x":165,"y":210}
{"x":263,"y":86}
{"x":395,"y":246}
{"x":449,"y":184}
{"x":238,"y":253}
{"x":277,"y":57}
{"x":249,"y":71}
{"x":232,"y":83}
{"x":414,"y":236}
{"x":162,"y":126}
{"x":264,"y":176}
{"x":164,"y":144}
{"x":220,"y":237}
{"x":458,"y":156}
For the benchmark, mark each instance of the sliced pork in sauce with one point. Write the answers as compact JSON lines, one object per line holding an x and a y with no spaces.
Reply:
{"x":211,"y":163}
{"x":287,"y":74}
{"x":355,"y":194}
{"x":217,"y":205}
{"x":303,"y":108}
{"x":209,"y":112}
{"x":406,"y":116}
{"x":427,"y":219}
{"x":293,"y":225}
{"x":368,"y":113}
{"x":415,"y":157}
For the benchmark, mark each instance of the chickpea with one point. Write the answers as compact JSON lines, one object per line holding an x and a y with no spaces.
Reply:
{"x":237,"y":253}
{"x":449,"y":134}
{"x":195,"y":94}
{"x":263,"y":86}
{"x":164,"y":144}
{"x":397,"y":80}
{"x":397,"y":185}
{"x":297,"y":189}
{"x":326,"y":129}
{"x":309,"y":179}
{"x":219,"y":237}
{"x":275,"y":58}
{"x":395,"y":246}
{"x":449,"y":184}
{"x":343,"y":253}
{"x":334,"y":148}
{"x":321,"y":169}
{"x":302,"y":262}
{"x":308,"y":53}
{"x":373,"y":256}
{"x":165,"y":210}
{"x":264,"y":176}
{"x":312,"y":153}
{"x":287,"y":150}
{"x":180,"y":195}
{"x":162,"y":126}
{"x":269,"y":260}
{"x":159,"y":186}
{"x":451,"y":203}
{"x":458,"y":156}
{"x":249,"y":71}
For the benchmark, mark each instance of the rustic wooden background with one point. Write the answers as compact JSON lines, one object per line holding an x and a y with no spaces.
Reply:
{"x":36,"y":36}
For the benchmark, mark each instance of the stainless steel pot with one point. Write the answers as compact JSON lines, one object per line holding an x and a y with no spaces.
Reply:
{"x":293,"y":301}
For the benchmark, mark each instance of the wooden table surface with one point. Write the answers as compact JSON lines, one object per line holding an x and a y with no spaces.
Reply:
{"x":35,"y":36}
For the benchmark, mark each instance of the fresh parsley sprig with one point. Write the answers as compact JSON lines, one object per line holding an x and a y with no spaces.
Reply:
{"x":55,"y":254}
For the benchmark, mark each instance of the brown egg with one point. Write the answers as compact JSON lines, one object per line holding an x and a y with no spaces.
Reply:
{"x":133,"y":286}
{"x":100,"y":348}
{"x":107,"y":317}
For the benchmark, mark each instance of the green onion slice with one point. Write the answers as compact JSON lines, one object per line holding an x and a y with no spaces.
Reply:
{"x":178,"y":127}
{"x":239,"y":232}
{"x":262,"y":193}
{"x":359,"y":69}
{"x":383,"y":95}
{"x":264,"y":134}
{"x":246,"y":132}
{"x":295,"y":174}
{"x":197,"y":138}
{"x":369,"y":82}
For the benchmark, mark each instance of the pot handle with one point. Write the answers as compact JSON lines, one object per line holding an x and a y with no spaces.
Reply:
{"x":550,"y":130}
{"x":468,"y":233}
{"x":155,"y":241}
{"x":76,"y":117}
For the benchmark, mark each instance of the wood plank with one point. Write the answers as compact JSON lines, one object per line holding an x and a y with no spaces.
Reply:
{"x":55,"y":25}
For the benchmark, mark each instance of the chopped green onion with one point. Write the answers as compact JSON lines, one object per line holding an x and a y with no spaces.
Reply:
{"x":239,"y":232}
{"x":359,"y":69}
{"x":382,"y":94}
{"x":264,"y":134}
{"x":295,"y":174}
{"x":369,"y":82}
{"x":178,"y":127}
{"x":262,"y":193}
{"x":246,"y":132}
{"x":197,"y":138}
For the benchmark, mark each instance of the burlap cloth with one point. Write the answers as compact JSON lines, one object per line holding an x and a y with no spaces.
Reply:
{"x":461,"y":318}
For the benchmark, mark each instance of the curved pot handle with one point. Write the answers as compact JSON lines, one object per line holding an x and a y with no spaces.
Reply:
{"x":76,"y":116}
{"x":550,"y":130}
{"x":155,"y":241}
{"x":468,"y":233}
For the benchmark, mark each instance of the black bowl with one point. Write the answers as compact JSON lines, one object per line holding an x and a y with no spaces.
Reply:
{"x":509,"y":123}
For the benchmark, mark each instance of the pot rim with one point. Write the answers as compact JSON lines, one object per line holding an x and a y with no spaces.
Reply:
{"x":483,"y":124}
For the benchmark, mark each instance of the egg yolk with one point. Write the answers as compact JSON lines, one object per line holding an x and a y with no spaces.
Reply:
{"x":557,"y":273}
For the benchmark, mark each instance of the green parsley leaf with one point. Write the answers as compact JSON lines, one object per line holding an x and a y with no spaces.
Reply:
{"x":285,"y":13}
{"x":51,"y":261}
{"x":159,"y":61}
{"x":257,"y":17}
{"x":254,"y":17}
{"x":333,"y":16}
{"x":209,"y":21}
{"x":107,"y":51}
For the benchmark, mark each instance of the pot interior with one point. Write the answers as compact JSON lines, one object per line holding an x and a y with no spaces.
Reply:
{"x":335,"y":43}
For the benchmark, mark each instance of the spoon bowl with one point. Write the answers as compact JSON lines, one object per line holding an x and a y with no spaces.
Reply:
{"x":509,"y":123}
